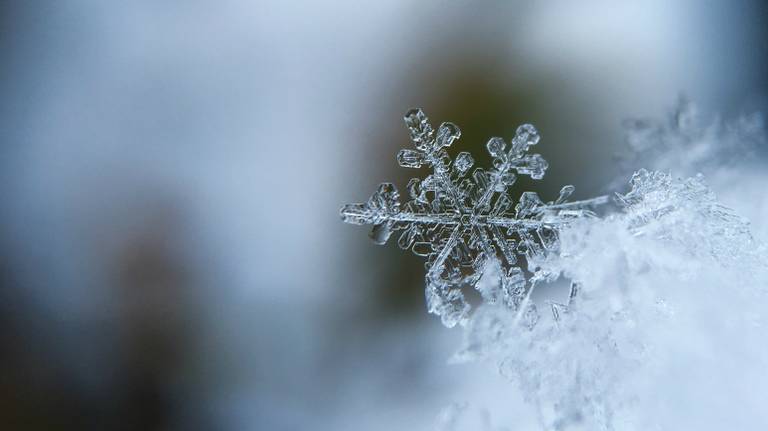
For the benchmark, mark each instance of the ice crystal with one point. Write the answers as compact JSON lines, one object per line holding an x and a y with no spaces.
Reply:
{"x":729,"y":150}
{"x":658,"y":196}
{"x":465,"y":223}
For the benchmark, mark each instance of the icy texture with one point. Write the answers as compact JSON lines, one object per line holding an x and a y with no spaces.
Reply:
{"x":668,"y":320}
{"x":661,"y":324}
{"x":730,"y":152}
{"x":466,"y":223}
{"x":656,"y":196}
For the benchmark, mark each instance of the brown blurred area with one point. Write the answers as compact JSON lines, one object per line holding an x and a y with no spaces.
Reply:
{"x":147,"y":339}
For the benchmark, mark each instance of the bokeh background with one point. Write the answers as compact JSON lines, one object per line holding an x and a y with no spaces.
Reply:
{"x":171,"y":172}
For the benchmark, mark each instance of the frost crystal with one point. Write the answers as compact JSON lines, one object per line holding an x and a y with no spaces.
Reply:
{"x":466,"y":223}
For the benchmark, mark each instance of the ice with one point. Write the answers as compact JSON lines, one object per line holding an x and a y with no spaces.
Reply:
{"x":462,"y":222}
{"x":661,"y":324}
{"x":666,"y":302}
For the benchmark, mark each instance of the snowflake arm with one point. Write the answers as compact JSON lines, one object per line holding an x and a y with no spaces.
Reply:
{"x":461,"y":223}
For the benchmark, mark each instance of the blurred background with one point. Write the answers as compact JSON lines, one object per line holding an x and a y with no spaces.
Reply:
{"x":171,"y":251}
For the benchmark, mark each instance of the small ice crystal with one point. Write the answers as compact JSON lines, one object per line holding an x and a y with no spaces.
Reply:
{"x":465,"y":223}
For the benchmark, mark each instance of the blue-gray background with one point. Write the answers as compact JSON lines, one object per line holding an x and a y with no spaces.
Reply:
{"x":171,"y":172}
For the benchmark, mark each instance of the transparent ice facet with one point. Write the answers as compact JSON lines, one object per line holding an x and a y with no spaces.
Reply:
{"x":463,"y":162}
{"x":446,"y":134}
{"x":410,"y":158}
{"x":466,"y":223}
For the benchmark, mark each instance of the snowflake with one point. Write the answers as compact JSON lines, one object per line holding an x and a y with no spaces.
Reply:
{"x":466,"y":223}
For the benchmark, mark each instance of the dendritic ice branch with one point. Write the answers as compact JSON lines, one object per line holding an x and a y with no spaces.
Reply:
{"x":463,"y":222}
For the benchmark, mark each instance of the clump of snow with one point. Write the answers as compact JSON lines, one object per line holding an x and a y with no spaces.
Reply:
{"x":667,"y":329}
{"x":729,"y":151}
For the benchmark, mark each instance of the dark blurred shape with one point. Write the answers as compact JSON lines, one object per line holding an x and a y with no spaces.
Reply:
{"x":155,"y":323}
{"x":141,"y":352}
